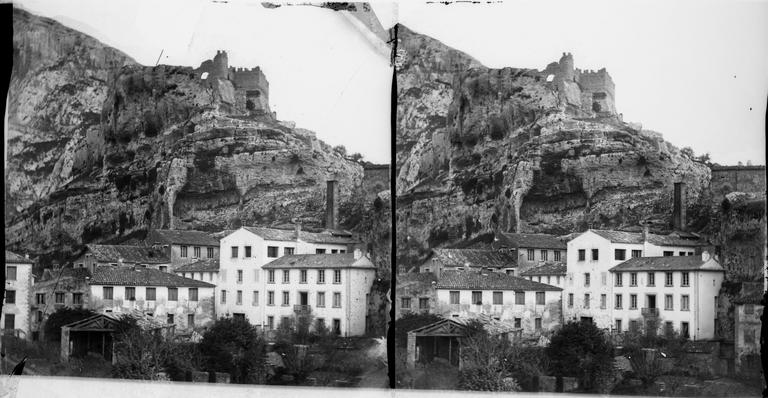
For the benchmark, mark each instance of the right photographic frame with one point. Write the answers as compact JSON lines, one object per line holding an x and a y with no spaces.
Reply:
{"x":580,"y":197}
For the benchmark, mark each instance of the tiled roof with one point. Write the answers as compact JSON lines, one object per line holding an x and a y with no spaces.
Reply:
{"x":474,"y":258}
{"x":546,"y":269}
{"x":684,"y":240}
{"x":184,"y":237}
{"x":289,"y":235}
{"x":129,"y":254}
{"x":68,"y":272}
{"x":419,"y":277}
{"x":11,"y":257}
{"x":140,"y":276}
{"x":344,"y":260}
{"x":205,"y":265}
{"x":671,"y":263}
{"x":531,"y":241}
{"x":488,"y":281}
{"x":750,"y":293}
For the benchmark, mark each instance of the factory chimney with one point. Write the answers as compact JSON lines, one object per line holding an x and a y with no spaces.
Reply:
{"x":678,"y":207}
{"x":332,"y":205}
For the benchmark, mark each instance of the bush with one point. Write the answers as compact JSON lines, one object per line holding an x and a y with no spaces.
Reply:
{"x":410,"y":322}
{"x":580,"y":349}
{"x":486,"y":379}
{"x":234,"y":346}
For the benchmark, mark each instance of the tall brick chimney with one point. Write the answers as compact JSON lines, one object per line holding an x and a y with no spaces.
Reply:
{"x":678,"y":207}
{"x":332,"y":205}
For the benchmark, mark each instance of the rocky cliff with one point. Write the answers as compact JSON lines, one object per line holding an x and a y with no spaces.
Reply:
{"x":514,"y":149}
{"x":102,"y":149}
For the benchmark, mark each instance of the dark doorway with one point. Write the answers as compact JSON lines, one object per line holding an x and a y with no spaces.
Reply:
{"x":651,"y":301}
{"x":303,"y":300}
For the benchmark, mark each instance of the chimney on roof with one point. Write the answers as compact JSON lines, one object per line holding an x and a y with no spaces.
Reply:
{"x":26,"y":256}
{"x":297,"y":227}
{"x":645,"y":232}
{"x":705,"y":256}
{"x":332,"y":206}
{"x":357,"y":254}
{"x":678,"y":207}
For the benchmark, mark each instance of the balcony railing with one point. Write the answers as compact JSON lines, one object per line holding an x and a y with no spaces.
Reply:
{"x":302,"y":309}
{"x":650,"y":311}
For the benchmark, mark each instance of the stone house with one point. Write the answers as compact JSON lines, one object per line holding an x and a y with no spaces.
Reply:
{"x":534,"y":308}
{"x":169,"y":298}
{"x":550,"y":273}
{"x":18,"y":289}
{"x":332,"y":288}
{"x":58,"y":288}
{"x":747,"y":328}
{"x":468,"y":259}
{"x":415,"y":293}
{"x":531,"y":250}
{"x":184,"y":246}
{"x":99,"y":255}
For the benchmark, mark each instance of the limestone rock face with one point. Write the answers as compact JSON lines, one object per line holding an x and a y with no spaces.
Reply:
{"x":515,"y":152}
{"x":102,"y":153}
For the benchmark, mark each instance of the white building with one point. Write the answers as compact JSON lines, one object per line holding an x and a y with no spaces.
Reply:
{"x":532,"y":307}
{"x":531,"y":250}
{"x":18,"y":290}
{"x":666,"y":294}
{"x":206,"y":270}
{"x":170,"y":298}
{"x":241,"y":288}
{"x":549,"y":273}
{"x":184,"y":246}
{"x":333,"y":288}
{"x":588,"y":291}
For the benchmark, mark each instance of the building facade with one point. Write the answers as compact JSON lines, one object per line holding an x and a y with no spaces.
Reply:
{"x":748,"y":310}
{"x":202,"y":270}
{"x":468,"y":259}
{"x":119,"y":255}
{"x":15,"y":318}
{"x":184,"y":247}
{"x":549,"y":273}
{"x":415,"y":293}
{"x":65,"y":287}
{"x":531,"y":250}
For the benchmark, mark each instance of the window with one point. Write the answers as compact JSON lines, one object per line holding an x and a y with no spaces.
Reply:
{"x":337,"y":276}
{"x":288,"y":251}
{"x":10,"y":296}
{"x":586,"y":300}
{"x":39,"y":316}
{"x":173,"y":294}
{"x":537,"y":323}
{"x":319,"y":251}
{"x":477,"y":298}
{"x":520,"y":298}
{"x":342,"y":251}
{"x":321,"y":299}
{"x":423,"y":303}
{"x":184,"y":251}
{"x":619,"y":279}
{"x":271,"y":322}
{"x":586,"y":279}
{"x":582,"y":254}
{"x":190,"y":320}
{"x":130,"y":294}
{"x":270,"y":298}
{"x":303,"y":276}
{"x":632,"y":301}
{"x":239,"y":298}
{"x":209,"y":252}
{"x":247,"y":251}
{"x":239,"y":276}
{"x":531,"y":254}
{"x":234,"y":251}
{"x":633,"y":279}
{"x":668,"y":279}
{"x":334,"y":251}
{"x":337,"y":300}
{"x":570,"y":300}
{"x":40,"y":297}
{"x":151,"y":294}
{"x":557,"y":255}
{"x":681,"y":253}
{"x":637,"y":253}
{"x":668,"y":329}
{"x":685,"y":279}
{"x":668,"y":302}
{"x":603,"y":301}
{"x":620,"y":254}
{"x":669,"y":254}
{"x":196,"y":252}
{"x":544,"y":256}
{"x":539,"y":298}
{"x":77,"y":298}
{"x":684,"y":303}
{"x":286,"y":298}
{"x":518,"y":323}
{"x":618,"y":325}
{"x":453,"y":297}
{"x":684,"y":329}
{"x":320,"y":276}
{"x":10,"y":321}
{"x":163,"y":268}
{"x":337,"y":326}
{"x":595,"y":254}
{"x":498,"y":298}
{"x":192,"y":294}
{"x":223,"y":296}
{"x":651,"y":279}
{"x":170,"y":319}
{"x":633,"y":325}
{"x":10,"y":273}
{"x":286,"y":276}
{"x":618,"y":301}
{"x":255,"y":300}
{"x":271,"y":251}
{"x":690,"y":253}
{"x":271,"y":276}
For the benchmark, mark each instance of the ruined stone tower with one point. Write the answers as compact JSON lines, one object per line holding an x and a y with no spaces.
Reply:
{"x":251,"y":88}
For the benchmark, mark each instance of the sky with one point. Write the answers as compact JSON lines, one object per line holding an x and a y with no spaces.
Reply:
{"x":695,"y":71}
{"x":322,"y":73}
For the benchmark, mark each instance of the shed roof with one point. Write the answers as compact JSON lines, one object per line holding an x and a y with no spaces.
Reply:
{"x":13,"y":258}
{"x":670,"y":263}
{"x":531,"y":241}
{"x":140,"y":276}
{"x":489,"y":281}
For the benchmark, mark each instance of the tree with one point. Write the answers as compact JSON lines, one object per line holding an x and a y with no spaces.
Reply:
{"x":409,"y":322}
{"x":485,"y":361}
{"x":234,"y":346}
{"x":580,"y":349}
{"x":63,"y":316}
{"x":140,"y":354}
{"x":356,"y":157}
{"x":688,"y":152}
{"x":341,"y":150}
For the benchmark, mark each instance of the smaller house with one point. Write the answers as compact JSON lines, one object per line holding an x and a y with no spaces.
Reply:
{"x":104,"y":255}
{"x":468,"y":259}
{"x":747,"y":327}
{"x":184,"y":246}
{"x":58,"y":288}
{"x":531,"y":250}
{"x":202,"y":270}
{"x":415,"y":293}
{"x":549,"y":273}
{"x":16,"y":303}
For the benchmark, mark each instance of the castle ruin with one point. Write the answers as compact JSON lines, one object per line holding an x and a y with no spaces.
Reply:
{"x":251,"y":88}
{"x":596,"y":91}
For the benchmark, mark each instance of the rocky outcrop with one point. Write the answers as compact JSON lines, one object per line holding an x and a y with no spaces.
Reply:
{"x":513,"y":151}
{"x":102,"y":154}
